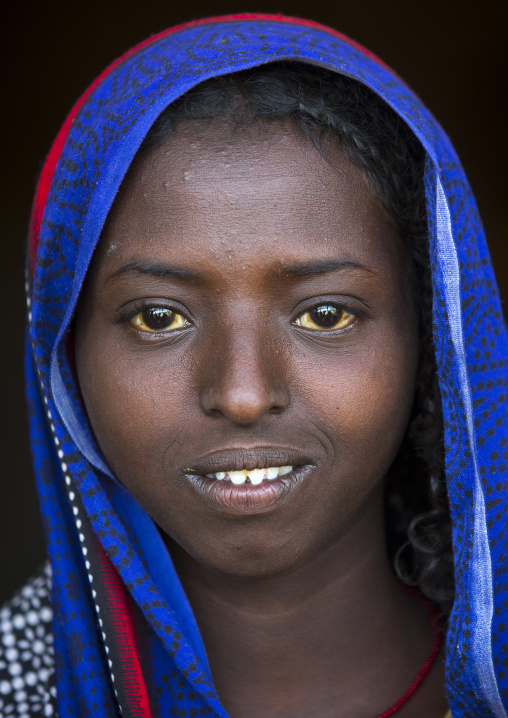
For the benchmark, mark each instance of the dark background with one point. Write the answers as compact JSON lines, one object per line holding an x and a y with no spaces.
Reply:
{"x":452,"y":52}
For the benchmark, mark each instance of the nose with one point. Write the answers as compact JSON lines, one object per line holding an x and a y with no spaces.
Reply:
{"x":243,"y":381}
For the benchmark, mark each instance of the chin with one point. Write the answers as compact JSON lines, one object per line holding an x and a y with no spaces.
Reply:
{"x":247,"y":559}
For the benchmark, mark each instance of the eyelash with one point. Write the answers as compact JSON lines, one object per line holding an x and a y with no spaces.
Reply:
{"x":303,"y":320}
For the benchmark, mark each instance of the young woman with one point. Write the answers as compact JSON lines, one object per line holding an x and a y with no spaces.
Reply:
{"x":266,"y":370}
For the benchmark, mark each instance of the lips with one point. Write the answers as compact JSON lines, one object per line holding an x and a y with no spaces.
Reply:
{"x":253,"y":480}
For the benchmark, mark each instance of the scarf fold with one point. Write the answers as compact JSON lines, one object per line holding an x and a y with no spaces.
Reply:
{"x":124,"y":634}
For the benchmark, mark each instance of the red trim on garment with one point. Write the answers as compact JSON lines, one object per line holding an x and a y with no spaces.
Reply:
{"x":48,"y":170}
{"x":122,"y":620}
{"x":434,"y":653}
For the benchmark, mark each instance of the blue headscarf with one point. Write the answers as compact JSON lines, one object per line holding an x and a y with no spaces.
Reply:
{"x":111,"y":570}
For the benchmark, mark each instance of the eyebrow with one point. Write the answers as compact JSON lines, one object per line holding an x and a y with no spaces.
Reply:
{"x":157,"y":269}
{"x":323,"y":267}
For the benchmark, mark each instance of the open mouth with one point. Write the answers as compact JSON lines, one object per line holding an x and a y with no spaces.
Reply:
{"x":251,"y":476}
{"x":249,"y":480}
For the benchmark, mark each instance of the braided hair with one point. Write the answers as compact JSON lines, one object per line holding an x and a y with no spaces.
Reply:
{"x":376,"y":139}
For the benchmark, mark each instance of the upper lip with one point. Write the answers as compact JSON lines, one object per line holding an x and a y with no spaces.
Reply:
{"x":247,"y":458}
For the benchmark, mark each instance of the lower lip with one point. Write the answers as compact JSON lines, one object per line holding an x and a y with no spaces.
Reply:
{"x":249,"y":498}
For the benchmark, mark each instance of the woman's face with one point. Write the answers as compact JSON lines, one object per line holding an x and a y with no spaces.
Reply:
{"x":249,"y":307}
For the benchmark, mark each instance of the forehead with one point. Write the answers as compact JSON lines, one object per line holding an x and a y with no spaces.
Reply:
{"x":212,"y":186}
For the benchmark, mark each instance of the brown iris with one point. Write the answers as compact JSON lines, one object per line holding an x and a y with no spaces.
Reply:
{"x":326,"y":317}
{"x":158,"y":319}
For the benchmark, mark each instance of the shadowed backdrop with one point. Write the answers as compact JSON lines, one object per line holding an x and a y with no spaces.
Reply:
{"x":451,"y":53}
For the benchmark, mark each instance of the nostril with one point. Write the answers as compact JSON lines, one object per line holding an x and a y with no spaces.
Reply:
{"x":278,"y":409}
{"x":213,"y":412}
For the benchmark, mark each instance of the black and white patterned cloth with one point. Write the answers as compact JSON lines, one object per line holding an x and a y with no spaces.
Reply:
{"x":27,"y":672}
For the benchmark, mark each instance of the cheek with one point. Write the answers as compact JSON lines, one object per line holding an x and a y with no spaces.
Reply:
{"x":362,"y":398}
{"x":135,"y":403}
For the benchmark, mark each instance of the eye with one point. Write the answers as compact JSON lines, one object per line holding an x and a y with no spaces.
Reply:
{"x":326,"y":317}
{"x":155,"y":320}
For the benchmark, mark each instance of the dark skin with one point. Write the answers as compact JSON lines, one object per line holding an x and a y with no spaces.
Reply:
{"x":236,"y":239}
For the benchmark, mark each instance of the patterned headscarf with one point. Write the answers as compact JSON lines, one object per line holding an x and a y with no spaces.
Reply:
{"x":124,"y":634}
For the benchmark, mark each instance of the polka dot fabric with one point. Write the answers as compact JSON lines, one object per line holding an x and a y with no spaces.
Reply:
{"x":27,"y":670}
{"x":110,"y":569}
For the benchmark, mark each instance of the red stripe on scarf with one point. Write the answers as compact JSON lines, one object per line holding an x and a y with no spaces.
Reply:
{"x":122,"y":619}
{"x":48,"y":170}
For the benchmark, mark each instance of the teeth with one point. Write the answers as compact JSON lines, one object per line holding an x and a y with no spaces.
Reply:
{"x":237,"y":477}
{"x":255,"y":476}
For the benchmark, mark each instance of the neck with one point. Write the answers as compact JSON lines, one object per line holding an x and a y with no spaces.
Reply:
{"x":324,"y":631}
